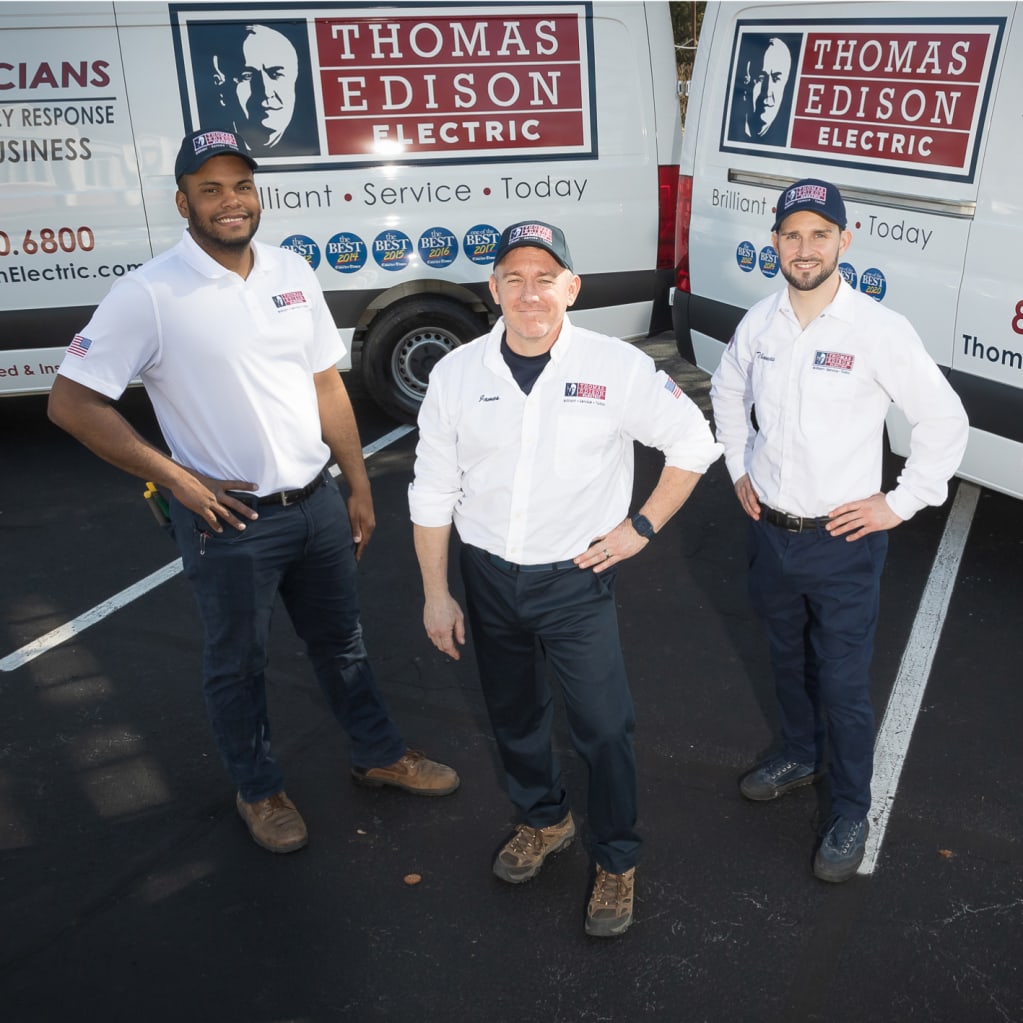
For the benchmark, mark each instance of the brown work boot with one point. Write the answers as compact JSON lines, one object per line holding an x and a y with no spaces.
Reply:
{"x":610,"y":910}
{"x":413,"y":773}
{"x":274,"y":823}
{"x":524,"y":853}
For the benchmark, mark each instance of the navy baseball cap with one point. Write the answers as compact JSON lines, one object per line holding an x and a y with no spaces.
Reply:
{"x":537,"y":234}
{"x":814,"y":195}
{"x":203,"y":145}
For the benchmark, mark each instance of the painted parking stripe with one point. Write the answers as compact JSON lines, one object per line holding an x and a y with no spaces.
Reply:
{"x":63,"y":633}
{"x":907,"y":695}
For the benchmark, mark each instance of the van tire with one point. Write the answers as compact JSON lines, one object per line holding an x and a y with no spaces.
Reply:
{"x":405,"y":342}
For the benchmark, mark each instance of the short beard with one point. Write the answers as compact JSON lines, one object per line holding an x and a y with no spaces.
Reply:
{"x":810,"y":283}
{"x":212,"y":242}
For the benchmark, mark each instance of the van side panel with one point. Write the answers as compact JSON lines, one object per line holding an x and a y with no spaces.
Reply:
{"x":72,"y":219}
{"x":408,"y":136}
{"x":987,"y":360}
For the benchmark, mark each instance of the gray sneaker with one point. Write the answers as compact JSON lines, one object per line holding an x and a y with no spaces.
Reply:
{"x":524,"y":853}
{"x":841,"y":852}
{"x":776,"y":776}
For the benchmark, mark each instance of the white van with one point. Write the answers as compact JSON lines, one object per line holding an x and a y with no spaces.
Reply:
{"x":395,"y":142}
{"x":913,"y":110}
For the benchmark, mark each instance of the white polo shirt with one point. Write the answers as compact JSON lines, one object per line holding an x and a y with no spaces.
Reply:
{"x":228,"y":363}
{"x":536,"y":478}
{"x":821,"y":396}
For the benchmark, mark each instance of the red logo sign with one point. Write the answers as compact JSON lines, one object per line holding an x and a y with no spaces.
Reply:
{"x":909,"y":95}
{"x":409,"y":82}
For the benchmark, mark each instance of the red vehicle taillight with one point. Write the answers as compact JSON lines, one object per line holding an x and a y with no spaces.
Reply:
{"x":667,"y":213}
{"x":685,"y":209}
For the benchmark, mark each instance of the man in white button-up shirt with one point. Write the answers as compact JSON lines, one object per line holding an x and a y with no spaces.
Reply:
{"x":800,"y":400}
{"x":526,"y":445}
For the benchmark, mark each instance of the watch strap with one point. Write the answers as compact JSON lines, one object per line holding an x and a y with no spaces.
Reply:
{"x":642,"y":525}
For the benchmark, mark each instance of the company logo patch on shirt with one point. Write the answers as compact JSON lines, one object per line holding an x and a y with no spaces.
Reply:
{"x":287,"y":299}
{"x":79,"y":346}
{"x":833,"y":361}
{"x":591,"y":392}
{"x":672,"y":388}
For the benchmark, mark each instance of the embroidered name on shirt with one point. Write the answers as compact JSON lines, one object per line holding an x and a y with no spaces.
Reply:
{"x":763,"y":357}
{"x":594,"y":392}
{"x":490,"y":397}
{"x":833,"y":361}
{"x":289,"y":298}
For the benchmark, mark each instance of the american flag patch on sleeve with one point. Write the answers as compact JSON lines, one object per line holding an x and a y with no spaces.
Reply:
{"x":79,"y":346}
{"x":672,"y":388}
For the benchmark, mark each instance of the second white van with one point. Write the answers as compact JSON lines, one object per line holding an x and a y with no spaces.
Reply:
{"x":913,"y":111}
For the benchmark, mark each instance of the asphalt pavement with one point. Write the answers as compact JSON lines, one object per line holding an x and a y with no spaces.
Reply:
{"x":131,"y":891}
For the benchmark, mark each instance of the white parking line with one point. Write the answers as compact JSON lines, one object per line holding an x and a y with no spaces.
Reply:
{"x":907,"y":694}
{"x":63,"y":633}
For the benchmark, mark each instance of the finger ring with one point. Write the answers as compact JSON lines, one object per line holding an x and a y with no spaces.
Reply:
{"x":607,"y":554}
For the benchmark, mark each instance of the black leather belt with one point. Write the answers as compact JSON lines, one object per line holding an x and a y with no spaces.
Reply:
{"x":508,"y":566}
{"x":284,"y":497}
{"x":793,"y":523}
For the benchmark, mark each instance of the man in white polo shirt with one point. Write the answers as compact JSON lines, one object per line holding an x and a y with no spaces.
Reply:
{"x":526,"y":446}
{"x":238,"y":352}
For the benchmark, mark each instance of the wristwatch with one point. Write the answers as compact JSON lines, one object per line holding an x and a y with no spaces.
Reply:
{"x":641,"y":524}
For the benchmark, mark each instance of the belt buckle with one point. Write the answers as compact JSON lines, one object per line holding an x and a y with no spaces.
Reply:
{"x":284,"y":499}
{"x":793,"y":523}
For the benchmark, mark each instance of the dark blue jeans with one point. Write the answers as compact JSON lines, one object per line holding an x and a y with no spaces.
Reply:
{"x":573,"y":615}
{"x":819,"y":598}
{"x":303,"y":552}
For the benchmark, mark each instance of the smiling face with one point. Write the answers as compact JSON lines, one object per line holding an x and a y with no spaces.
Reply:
{"x":221,"y":205}
{"x":533,"y":290}
{"x":809,"y":247}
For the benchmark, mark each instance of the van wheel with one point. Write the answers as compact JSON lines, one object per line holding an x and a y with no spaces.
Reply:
{"x":405,"y":342}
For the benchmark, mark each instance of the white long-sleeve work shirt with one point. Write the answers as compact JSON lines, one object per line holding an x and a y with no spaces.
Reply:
{"x":536,"y":478}
{"x":821,"y":396}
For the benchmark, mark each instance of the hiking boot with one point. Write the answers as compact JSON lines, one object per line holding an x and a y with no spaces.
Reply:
{"x":274,"y":823}
{"x":413,"y":773}
{"x":776,"y":776}
{"x":524,"y":853}
{"x":841,"y":852}
{"x":610,"y":910}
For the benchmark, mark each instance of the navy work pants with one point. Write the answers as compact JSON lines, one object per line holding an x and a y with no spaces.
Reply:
{"x":573,"y":615}
{"x":818,"y":597}
{"x":304,"y":552}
